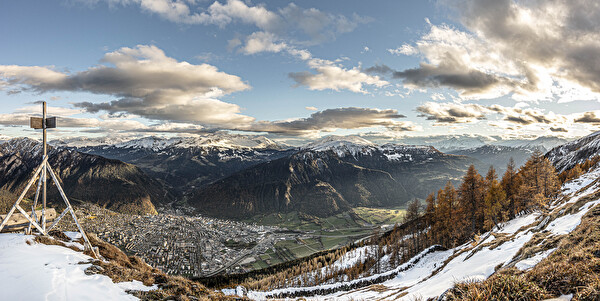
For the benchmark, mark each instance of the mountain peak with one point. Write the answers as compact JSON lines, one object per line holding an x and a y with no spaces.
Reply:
{"x":569,"y":154}
{"x":333,"y":141}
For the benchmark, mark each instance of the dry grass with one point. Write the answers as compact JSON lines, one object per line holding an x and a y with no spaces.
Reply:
{"x":47,"y":240}
{"x":501,"y":286}
{"x":574,"y":268}
{"x":380,"y":288}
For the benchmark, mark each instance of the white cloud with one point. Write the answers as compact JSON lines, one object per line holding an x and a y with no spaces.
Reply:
{"x":452,"y":112}
{"x":261,"y":41}
{"x":148,"y":84}
{"x":530,"y":50}
{"x":332,"y":119}
{"x":51,"y":110}
{"x":404,"y":49}
{"x":304,"y":26}
{"x":335,"y":77}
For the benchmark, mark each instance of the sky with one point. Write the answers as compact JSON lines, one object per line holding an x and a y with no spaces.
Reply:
{"x":301,"y":70}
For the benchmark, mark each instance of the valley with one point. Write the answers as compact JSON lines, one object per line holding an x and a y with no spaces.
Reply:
{"x":361,"y":195}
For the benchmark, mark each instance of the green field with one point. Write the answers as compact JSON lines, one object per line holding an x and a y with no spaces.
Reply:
{"x":322,"y":233}
{"x":379,"y":216}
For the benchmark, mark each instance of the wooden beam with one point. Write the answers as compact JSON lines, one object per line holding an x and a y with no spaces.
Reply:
{"x":64,"y":196}
{"x":14,"y":207}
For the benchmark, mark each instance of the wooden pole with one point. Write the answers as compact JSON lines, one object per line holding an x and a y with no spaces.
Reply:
{"x":44,"y":169}
{"x":35,"y":200}
{"x":14,"y":207}
{"x":87,"y":244}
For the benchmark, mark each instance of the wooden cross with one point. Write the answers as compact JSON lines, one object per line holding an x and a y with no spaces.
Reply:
{"x":44,"y":123}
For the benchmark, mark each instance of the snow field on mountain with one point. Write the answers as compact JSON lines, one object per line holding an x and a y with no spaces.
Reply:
{"x":46,"y":272}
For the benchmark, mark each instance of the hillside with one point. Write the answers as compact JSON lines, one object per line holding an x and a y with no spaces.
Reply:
{"x":109,"y":183}
{"x":570,"y":154}
{"x":55,"y":268}
{"x":331,"y":176}
{"x":496,"y":155}
{"x":525,"y":251}
{"x":185,"y":163}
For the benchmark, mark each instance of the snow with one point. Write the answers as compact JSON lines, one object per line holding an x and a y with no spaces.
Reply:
{"x":43,"y":272}
{"x":567,"y":223}
{"x":516,"y":223}
{"x":478,"y":267}
{"x":581,"y":182}
{"x":225,"y":141}
{"x":529,"y":263}
{"x":256,"y":295}
{"x":342,"y":145}
{"x":135,"y":285}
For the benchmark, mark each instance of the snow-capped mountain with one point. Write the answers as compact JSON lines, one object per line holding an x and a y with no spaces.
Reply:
{"x":356,"y":146}
{"x":330,"y":176}
{"x":568,"y":155}
{"x":540,"y":143}
{"x":341,"y":145}
{"x":85,"y":141}
{"x":185,"y":163}
{"x":109,"y":183}
{"x":449,"y":142}
{"x":217,"y":140}
{"x":453,"y":143}
{"x":496,"y":155}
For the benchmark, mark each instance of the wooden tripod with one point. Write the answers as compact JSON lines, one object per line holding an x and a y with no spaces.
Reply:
{"x":42,"y":170}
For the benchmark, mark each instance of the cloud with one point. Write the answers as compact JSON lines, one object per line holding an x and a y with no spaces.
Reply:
{"x":404,"y":49}
{"x":146,"y":82}
{"x":451,"y":73}
{"x":529,"y":50}
{"x":311,"y":108}
{"x":332,"y":76}
{"x":528,"y":116}
{"x":379,"y":69}
{"x":51,"y":111}
{"x":332,"y":119}
{"x":559,"y":130}
{"x":318,"y":25}
{"x":261,"y":41}
{"x":309,"y":25}
{"x":588,"y":117}
{"x":452,"y":113}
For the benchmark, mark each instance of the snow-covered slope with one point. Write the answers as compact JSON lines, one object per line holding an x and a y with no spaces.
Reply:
{"x":342,"y":145}
{"x":32,"y":271}
{"x":220,"y":140}
{"x":448,"y":143}
{"x":431,"y":273}
{"x":541,"y":143}
{"x":357,"y":146}
{"x":568,"y":155}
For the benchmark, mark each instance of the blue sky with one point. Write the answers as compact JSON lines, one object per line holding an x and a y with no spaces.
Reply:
{"x":382,"y":69}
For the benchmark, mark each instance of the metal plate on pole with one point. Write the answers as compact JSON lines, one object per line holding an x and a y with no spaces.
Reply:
{"x":36,"y":122}
{"x":50,"y":122}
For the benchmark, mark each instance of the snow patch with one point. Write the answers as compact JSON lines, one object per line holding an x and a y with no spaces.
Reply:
{"x":43,"y":272}
{"x":529,"y":263}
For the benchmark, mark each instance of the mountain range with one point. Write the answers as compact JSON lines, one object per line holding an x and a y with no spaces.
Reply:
{"x":238,"y":176}
{"x":331,"y":175}
{"x":109,"y":183}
